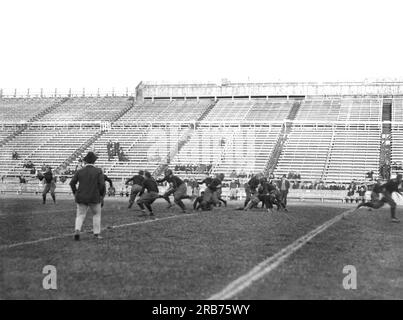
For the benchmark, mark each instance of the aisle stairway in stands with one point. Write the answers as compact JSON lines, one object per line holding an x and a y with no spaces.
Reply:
{"x":385,"y":152}
{"x":282,"y":139}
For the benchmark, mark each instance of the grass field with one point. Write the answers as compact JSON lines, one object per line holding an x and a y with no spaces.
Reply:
{"x":195,"y":256}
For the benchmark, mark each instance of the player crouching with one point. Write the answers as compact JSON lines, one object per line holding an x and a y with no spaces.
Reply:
{"x":147,"y":198}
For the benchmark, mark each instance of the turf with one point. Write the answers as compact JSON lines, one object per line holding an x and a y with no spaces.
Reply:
{"x":185,"y":257}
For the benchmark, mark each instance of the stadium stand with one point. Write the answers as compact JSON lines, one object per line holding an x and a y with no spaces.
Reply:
{"x":42,"y":144}
{"x":88,"y":109}
{"x":330,"y":137}
{"x":305,"y":151}
{"x":354,"y":152}
{"x":23,"y":109}
{"x":167,"y":110}
{"x":248,"y":150}
{"x":397,"y":133}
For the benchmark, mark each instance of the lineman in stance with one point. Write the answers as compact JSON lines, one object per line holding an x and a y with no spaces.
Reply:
{"x":147,"y":198}
{"x":137,"y":183}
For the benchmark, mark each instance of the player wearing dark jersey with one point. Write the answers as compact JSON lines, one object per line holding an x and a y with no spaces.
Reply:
{"x":387,"y":190}
{"x":147,"y":198}
{"x":49,"y":184}
{"x":106,"y":179}
{"x":212,"y":193}
{"x":220,"y":177}
{"x":197,"y":204}
{"x":137,"y":183}
{"x":251,"y":188}
{"x":178,"y":189}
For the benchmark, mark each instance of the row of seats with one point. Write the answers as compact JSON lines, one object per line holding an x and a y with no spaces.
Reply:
{"x":341,"y":109}
{"x":145,"y":147}
{"x":88,"y":109}
{"x":331,"y":154}
{"x":167,"y":110}
{"x":43,"y":145}
{"x":250,"y":110}
{"x":23,"y":109}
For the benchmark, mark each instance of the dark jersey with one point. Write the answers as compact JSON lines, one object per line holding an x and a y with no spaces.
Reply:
{"x":253,"y":183}
{"x":150,"y":185}
{"x":391,"y":186}
{"x":377,"y":188}
{"x":175,"y":180}
{"x":207,"y":181}
{"x":48,"y":176}
{"x":107,"y":179}
{"x":214,"y":185}
{"x":197,"y":202}
{"x":137,"y":179}
{"x":264,"y":188}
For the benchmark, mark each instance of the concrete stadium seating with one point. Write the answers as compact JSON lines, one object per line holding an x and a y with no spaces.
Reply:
{"x":221,"y":133}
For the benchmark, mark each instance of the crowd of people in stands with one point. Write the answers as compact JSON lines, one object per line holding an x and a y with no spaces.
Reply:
{"x":193,"y":168}
{"x":29,"y":165}
{"x":115,"y":150}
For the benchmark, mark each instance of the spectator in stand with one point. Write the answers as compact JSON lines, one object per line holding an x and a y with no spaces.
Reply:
{"x":370,"y":175}
{"x":233,"y":174}
{"x":121,"y":155}
{"x":116,"y":147}
{"x":109,"y":147}
{"x":15,"y":155}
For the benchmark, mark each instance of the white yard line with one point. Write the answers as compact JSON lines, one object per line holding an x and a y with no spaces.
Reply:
{"x":272,"y":262}
{"x":66,"y":235}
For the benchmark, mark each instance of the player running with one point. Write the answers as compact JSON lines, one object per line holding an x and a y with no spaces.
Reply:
{"x":178,"y":189}
{"x":386,"y":190}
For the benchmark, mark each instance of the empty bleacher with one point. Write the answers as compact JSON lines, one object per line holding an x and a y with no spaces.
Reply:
{"x":315,"y":109}
{"x":167,"y":110}
{"x":88,"y":109}
{"x":42,"y":144}
{"x":249,"y":150}
{"x":305,"y":151}
{"x":355,"y":151}
{"x":226,"y":138}
{"x":23,"y":109}
{"x":397,"y":131}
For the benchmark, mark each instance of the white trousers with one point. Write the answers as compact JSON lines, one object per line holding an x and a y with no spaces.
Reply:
{"x":82,"y":212}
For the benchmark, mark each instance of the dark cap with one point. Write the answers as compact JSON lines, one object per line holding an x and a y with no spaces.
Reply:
{"x":141,"y":172}
{"x":90,"y":157}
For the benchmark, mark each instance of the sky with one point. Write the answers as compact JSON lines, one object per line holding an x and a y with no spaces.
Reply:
{"x":105,"y":44}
